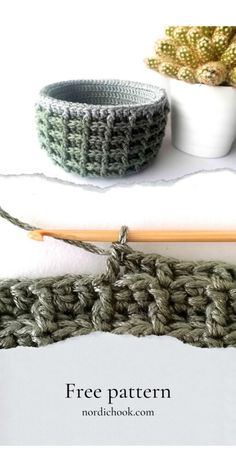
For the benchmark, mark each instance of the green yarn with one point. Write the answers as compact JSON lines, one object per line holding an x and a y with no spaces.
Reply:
{"x":102,"y":128}
{"x":139,"y":294}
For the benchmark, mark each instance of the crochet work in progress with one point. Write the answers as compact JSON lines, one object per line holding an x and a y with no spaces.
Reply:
{"x":139,"y":294}
{"x":102,"y":128}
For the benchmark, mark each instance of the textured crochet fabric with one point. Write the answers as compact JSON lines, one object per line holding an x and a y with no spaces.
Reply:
{"x":102,"y":128}
{"x":139,"y":294}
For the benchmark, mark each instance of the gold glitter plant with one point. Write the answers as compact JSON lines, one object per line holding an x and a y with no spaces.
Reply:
{"x":198,"y":54}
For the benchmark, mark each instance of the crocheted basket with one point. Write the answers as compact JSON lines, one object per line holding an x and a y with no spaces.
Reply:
{"x":102,"y":128}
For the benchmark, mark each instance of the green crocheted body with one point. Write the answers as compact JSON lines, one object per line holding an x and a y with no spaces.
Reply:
{"x":139,"y":294}
{"x":98,"y":128}
{"x":194,"y":302}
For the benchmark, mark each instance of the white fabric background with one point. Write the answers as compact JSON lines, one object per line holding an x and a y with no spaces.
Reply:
{"x":50,"y":41}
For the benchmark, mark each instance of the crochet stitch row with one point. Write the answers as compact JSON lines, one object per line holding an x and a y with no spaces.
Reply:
{"x":102,"y":128}
{"x":139,"y":294}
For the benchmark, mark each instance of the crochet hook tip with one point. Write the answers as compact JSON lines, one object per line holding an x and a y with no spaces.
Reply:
{"x":36,"y":235}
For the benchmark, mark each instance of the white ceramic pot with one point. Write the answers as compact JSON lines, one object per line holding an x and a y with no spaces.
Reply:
{"x":203,"y":118}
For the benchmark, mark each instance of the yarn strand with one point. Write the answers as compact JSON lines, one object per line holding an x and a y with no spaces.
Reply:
{"x":26,"y":226}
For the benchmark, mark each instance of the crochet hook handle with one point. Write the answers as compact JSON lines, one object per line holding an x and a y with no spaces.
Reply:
{"x":137,"y":235}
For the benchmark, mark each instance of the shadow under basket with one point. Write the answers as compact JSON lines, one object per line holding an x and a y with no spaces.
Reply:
{"x":102,"y":127}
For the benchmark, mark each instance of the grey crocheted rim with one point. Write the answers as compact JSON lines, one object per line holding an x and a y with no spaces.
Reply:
{"x":136,"y":96}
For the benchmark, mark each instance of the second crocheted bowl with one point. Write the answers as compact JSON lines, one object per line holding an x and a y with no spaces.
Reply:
{"x":102,"y":128}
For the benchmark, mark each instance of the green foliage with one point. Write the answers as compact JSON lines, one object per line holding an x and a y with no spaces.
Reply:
{"x":165,"y":48}
{"x":186,"y":56}
{"x":212,"y":73}
{"x":186,"y":74}
{"x":232,"y":77}
{"x":229,"y":56}
{"x":169,"y":68}
{"x":197,"y":54}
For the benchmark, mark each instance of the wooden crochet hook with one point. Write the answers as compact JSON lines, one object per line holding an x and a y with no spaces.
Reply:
{"x":137,"y":235}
